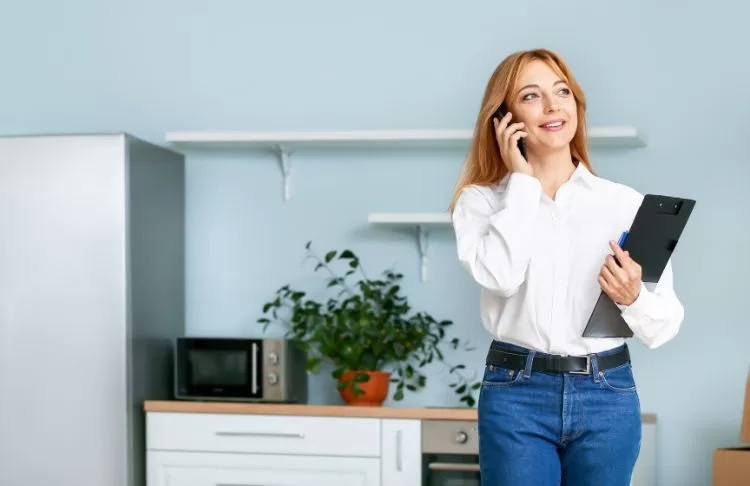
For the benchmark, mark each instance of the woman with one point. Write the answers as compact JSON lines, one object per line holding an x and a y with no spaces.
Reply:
{"x":539,"y":236}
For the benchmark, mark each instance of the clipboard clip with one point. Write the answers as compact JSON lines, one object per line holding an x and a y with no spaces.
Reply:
{"x":672,"y":208}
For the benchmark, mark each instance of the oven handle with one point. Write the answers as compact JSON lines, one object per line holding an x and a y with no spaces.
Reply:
{"x":452,"y":466}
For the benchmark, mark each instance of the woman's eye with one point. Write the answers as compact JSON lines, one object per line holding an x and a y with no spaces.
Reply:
{"x":565,"y":91}
{"x":528,"y":96}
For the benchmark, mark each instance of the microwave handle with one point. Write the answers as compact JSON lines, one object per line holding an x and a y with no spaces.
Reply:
{"x":255,"y":363}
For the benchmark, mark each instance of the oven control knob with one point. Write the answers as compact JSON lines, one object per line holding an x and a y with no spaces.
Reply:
{"x":273,"y":378}
{"x":461,"y":437}
{"x":273,"y":358}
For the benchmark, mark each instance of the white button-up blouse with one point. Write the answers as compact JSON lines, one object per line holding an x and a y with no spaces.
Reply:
{"x":537,"y":261}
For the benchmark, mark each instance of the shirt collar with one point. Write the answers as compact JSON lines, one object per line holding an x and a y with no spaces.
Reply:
{"x":583,"y":174}
{"x":580,"y":174}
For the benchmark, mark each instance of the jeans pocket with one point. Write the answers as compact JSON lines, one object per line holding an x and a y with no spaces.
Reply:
{"x":495,"y":376}
{"x":619,"y":379}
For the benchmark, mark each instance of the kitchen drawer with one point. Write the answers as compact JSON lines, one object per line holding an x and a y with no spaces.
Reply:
{"x":270,"y":434}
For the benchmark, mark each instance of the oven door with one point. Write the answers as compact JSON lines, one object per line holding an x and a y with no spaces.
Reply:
{"x":450,"y":453}
{"x":450,"y":470}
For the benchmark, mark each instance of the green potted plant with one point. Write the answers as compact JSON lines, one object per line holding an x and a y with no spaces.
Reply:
{"x":367,"y":330}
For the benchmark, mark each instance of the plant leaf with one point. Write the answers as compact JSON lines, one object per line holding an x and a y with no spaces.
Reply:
{"x":365,"y":324}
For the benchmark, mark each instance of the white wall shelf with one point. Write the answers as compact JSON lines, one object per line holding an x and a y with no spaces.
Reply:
{"x":420,"y":222}
{"x":410,"y":218}
{"x":599,"y":136}
{"x":284,"y":143}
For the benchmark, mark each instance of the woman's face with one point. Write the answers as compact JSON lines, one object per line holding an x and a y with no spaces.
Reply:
{"x":546,"y":105}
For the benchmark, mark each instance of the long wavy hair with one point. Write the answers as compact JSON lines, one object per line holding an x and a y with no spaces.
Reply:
{"x":483,"y":164}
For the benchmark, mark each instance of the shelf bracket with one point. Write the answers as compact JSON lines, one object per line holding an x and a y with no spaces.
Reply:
{"x":423,"y":243}
{"x":286,"y":170}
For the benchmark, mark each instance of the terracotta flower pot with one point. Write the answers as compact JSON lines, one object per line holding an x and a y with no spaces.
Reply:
{"x":375,"y":389}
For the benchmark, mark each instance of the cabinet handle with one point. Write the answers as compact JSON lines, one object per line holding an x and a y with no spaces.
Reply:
{"x":399,"y":459}
{"x":261,"y":434}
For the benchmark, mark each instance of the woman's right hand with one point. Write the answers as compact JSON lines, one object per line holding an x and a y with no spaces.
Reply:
{"x":507,"y":140}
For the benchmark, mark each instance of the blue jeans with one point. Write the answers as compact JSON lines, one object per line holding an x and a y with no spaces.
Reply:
{"x":552,"y":429}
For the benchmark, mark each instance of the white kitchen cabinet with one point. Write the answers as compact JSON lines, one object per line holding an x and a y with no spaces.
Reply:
{"x":170,"y":468}
{"x":265,"y":434}
{"x":401,"y":451}
{"x":314,"y":447}
{"x":644,"y":473}
{"x":214,"y":449}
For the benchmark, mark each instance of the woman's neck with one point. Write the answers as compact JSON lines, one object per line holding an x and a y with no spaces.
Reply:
{"x":552,"y":169}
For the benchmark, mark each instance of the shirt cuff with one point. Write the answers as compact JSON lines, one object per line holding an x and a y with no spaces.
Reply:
{"x":638,"y":307}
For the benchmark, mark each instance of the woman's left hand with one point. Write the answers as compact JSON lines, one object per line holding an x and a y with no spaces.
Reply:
{"x":622,"y":283}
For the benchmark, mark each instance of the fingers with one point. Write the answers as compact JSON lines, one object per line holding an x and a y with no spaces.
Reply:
{"x":509,"y":132}
{"x":511,"y":129}
{"x":631,"y":268}
{"x":606,"y":275}
{"x":619,"y":252}
{"x":505,"y":131}
{"x":612,"y":286}
{"x":500,"y":127}
{"x":502,"y":123}
{"x":621,"y":282}
{"x":507,"y":135}
{"x":615,"y":276}
{"x":608,"y":284}
{"x":615,"y":270}
{"x":520,"y":133}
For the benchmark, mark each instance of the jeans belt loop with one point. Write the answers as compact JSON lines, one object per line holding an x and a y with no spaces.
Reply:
{"x":595,"y":368}
{"x":529,"y":363}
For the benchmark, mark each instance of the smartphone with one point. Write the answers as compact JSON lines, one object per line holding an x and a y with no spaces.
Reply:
{"x":499,"y":114}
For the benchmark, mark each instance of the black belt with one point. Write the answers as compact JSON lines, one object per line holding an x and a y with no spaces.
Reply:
{"x":552,"y":363}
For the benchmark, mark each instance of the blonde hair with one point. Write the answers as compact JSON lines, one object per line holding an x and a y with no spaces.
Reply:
{"x":483,"y":164}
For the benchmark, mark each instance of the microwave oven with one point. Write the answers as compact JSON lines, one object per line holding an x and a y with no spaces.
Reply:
{"x":239,"y":369}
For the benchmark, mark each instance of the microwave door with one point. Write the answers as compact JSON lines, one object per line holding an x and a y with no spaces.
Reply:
{"x":222,"y":368}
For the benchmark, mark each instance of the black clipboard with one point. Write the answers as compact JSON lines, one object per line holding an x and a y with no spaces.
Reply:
{"x":651,"y":240}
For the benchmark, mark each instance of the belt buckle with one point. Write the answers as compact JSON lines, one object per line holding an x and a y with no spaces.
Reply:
{"x":587,"y":371}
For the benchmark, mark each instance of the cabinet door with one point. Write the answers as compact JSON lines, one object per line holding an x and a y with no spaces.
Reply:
{"x":212,"y":469}
{"x":644,"y":473}
{"x":401,"y":452}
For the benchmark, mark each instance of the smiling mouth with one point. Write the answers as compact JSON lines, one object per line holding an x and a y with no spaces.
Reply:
{"x":553,"y":125}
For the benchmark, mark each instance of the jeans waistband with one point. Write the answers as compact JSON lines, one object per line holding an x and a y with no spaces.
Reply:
{"x":508,"y":355}
{"x":502,"y":345}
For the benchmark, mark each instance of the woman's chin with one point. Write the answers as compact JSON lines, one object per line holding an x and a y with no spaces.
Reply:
{"x":554,"y":141}
{"x":552,"y":146}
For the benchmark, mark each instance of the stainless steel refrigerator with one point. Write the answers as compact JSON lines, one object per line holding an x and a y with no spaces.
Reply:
{"x":91,"y":297}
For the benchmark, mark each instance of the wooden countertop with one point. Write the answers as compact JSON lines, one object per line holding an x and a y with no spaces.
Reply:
{"x":176,"y":406}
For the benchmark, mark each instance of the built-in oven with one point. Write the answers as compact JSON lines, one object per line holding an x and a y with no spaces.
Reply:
{"x":450,"y":453}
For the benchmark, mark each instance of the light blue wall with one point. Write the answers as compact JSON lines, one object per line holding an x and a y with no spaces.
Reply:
{"x":149,"y":67}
